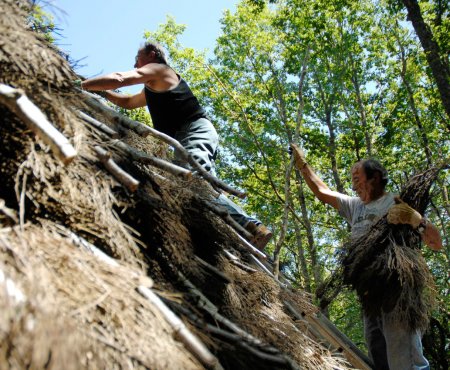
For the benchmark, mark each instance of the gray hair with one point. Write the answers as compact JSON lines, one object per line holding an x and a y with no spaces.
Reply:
{"x":157,"y":48}
{"x":372,"y":166}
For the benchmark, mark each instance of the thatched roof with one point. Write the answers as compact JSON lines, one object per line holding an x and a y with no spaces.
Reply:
{"x":64,"y":304}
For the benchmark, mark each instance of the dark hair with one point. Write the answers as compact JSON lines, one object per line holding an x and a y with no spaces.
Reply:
{"x":372,"y":166}
{"x":157,"y":48}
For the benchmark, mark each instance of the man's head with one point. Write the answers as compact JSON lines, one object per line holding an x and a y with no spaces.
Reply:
{"x":369,"y":179}
{"x":150,"y":52}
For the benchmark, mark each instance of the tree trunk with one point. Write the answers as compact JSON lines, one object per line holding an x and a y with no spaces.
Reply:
{"x":309,"y":234}
{"x":302,"y":263}
{"x":439,"y":67}
{"x":412,"y":103}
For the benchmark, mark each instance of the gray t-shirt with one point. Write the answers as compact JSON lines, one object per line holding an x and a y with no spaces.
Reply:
{"x":362,"y":216}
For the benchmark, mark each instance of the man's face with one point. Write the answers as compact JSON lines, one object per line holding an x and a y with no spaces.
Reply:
{"x":140,"y":59}
{"x":366,"y":189}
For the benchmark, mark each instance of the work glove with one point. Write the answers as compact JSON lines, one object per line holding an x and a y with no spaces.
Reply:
{"x":77,"y":83}
{"x":299,"y":156}
{"x":402,"y":213}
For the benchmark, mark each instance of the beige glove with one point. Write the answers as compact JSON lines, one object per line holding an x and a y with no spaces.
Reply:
{"x":299,"y":156}
{"x":402,"y":213}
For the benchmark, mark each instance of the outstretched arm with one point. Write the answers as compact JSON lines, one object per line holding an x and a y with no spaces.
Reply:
{"x":314,"y":182}
{"x":402,"y":213}
{"x":126,"y":101}
{"x":117,"y":80}
{"x":145,"y":74}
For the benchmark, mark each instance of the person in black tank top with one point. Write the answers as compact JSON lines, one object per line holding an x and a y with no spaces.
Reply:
{"x":173,"y":108}
{"x":176,"y":112}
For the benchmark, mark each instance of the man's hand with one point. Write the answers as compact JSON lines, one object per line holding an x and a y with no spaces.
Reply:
{"x":77,"y":83}
{"x":299,"y":156}
{"x":402,"y":213}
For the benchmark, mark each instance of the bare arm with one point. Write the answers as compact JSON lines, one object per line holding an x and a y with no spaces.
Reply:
{"x":319,"y":188}
{"x":126,"y":101}
{"x":115,"y":80}
{"x":314,"y":182}
{"x":432,"y":237}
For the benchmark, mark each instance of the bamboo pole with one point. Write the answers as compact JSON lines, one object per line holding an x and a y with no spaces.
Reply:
{"x":209,"y":307}
{"x":100,"y":125}
{"x":214,"y":270}
{"x":114,"y":116}
{"x":235,"y":261}
{"x":124,"y":178}
{"x":89,"y":247}
{"x":154,"y":161}
{"x":8,"y":212}
{"x":11,"y":289}
{"x":264,"y":352}
{"x":28,"y":112}
{"x":195,"y":346}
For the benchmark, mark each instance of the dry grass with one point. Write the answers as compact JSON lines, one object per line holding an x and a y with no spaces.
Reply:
{"x":78,"y":312}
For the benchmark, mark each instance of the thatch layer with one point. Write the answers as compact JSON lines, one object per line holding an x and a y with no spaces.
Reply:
{"x":79,"y":312}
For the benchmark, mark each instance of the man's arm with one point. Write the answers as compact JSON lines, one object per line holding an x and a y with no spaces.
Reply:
{"x":314,"y":182}
{"x":402,"y":213}
{"x":432,"y":237}
{"x":146,"y":74}
{"x":126,"y":101}
{"x":116,"y":80}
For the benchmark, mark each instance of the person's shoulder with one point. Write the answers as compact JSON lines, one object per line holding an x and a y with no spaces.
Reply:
{"x":347,"y":199}
{"x":390,"y":197}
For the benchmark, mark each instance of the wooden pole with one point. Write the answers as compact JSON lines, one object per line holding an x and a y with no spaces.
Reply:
{"x":19,"y":104}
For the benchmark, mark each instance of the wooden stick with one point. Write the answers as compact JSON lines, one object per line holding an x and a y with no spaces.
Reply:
{"x":264,"y":268}
{"x":251,"y":248}
{"x":84,"y":244}
{"x":225,"y":215}
{"x":195,"y":346}
{"x":124,"y":178}
{"x":214,"y":270}
{"x":144,"y":131}
{"x":207,"y":305}
{"x":235,"y":261}
{"x":116,"y":117}
{"x":11,"y":289}
{"x":8,"y":212}
{"x":244,"y":267}
{"x":101,"y":126}
{"x":274,"y":355}
{"x":154,"y":161}
{"x":234,"y":226}
{"x":17,"y":102}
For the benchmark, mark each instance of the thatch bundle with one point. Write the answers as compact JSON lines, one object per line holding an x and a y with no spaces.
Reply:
{"x":386,"y":267}
{"x":61,"y":306}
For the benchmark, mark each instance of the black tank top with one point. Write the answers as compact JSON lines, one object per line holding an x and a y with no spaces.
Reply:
{"x":173,"y":108}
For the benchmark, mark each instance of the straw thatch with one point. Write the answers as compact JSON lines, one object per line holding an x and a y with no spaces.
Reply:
{"x":65,"y":304}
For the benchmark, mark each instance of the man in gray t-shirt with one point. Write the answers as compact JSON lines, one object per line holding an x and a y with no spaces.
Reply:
{"x":362,"y":216}
{"x":391,"y":346}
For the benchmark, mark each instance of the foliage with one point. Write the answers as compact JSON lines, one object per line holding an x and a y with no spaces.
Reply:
{"x":345,"y":79}
{"x":41,"y":22}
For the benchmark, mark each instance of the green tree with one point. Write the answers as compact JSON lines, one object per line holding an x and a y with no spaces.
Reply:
{"x":347,"y":80}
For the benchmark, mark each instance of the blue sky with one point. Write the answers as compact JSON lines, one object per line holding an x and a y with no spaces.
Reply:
{"x":107,"y":33}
